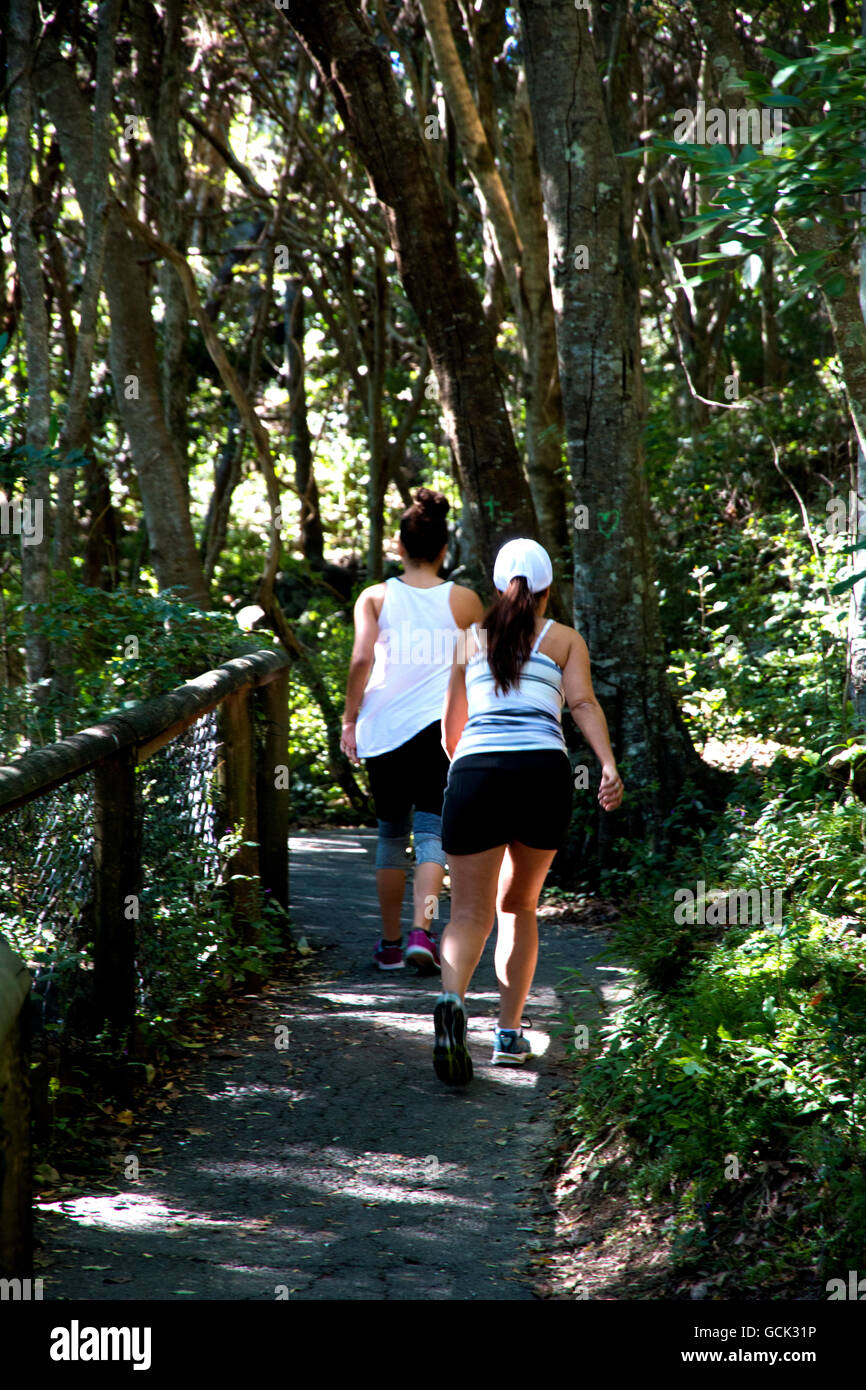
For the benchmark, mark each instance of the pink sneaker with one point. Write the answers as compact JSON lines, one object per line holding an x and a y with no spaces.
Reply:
{"x":422,"y":952}
{"x":388,"y":955}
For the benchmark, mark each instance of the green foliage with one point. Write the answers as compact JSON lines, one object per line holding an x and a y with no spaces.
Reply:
{"x":744,"y":1040}
{"x":763,"y":650}
{"x":807,"y":171}
{"x":755,"y":627}
{"x":315,"y":797}
{"x":125,"y":647}
{"x":20,"y":461}
{"x":188,"y":944}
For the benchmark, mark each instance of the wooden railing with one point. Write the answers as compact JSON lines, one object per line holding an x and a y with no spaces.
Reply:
{"x":254,"y":796}
{"x":15,"y":1210}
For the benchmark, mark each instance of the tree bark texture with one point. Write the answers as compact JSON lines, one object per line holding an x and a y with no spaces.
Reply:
{"x":518,"y":234}
{"x":595,"y":295}
{"x":132,"y":351}
{"x":310,"y":522}
{"x":35,"y":558}
{"x":444,"y":297}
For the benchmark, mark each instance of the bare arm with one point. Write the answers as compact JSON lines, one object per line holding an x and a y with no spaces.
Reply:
{"x":456,"y":708}
{"x":367,"y":608}
{"x":466,"y":606}
{"x":589,"y":717}
{"x":466,"y":609}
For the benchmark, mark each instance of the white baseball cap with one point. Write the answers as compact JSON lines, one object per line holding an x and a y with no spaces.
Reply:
{"x":523,"y":557}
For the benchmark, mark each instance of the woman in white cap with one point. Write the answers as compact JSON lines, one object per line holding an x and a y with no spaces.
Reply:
{"x":508,"y":799}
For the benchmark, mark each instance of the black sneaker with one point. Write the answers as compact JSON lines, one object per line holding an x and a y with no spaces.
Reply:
{"x":451,"y":1060}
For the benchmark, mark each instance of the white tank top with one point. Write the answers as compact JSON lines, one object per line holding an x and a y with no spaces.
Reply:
{"x":411,"y":667}
{"x":528,"y":717}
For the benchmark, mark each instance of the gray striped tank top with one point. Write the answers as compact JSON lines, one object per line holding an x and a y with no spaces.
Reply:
{"x":529,"y":717}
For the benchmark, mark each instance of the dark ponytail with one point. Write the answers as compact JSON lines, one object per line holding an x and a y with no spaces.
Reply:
{"x":510,"y":628}
{"x":423,"y":528}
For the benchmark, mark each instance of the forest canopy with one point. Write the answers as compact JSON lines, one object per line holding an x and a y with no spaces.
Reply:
{"x":595,"y":271}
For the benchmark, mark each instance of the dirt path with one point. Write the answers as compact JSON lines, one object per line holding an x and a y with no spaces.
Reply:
{"x":337,"y":1167}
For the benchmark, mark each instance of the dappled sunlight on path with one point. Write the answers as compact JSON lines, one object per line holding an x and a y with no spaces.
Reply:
{"x":318,"y":1157}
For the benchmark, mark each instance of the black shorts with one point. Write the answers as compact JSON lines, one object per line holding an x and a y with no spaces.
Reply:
{"x":497,"y":798}
{"x":412,"y":775}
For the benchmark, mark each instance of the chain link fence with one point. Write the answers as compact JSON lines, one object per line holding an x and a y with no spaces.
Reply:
{"x":47,"y":878}
{"x":46,"y":890}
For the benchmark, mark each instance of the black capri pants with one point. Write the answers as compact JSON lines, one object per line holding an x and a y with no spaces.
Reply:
{"x":412,"y":775}
{"x":407,"y":785}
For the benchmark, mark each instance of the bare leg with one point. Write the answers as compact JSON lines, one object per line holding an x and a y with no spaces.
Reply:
{"x":473,"y":904}
{"x":520,"y":882}
{"x":391,"y":885}
{"x":425,"y":892}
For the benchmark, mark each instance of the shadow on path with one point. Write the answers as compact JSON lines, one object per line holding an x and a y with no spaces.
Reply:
{"x":336,"y":1167}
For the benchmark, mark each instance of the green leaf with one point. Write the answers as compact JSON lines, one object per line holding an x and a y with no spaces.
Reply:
{"x":835,"y":286}
{"x":845,"y":584}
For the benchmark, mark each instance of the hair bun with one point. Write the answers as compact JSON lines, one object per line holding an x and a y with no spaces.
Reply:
{"x":433,"y":504}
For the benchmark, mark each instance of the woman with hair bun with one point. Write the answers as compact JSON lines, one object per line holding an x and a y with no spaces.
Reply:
{"x":406,"y":631}
{"x":508,"y":800}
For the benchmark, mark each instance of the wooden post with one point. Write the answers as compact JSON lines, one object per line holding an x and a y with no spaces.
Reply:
{"x":16,"y":1221}
{"x":272,"y":790}
{"x":237,"y":777}
{"x":117,"y":885}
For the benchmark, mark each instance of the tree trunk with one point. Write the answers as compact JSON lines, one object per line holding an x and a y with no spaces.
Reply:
{"x":171,"y":180}
{"x":227,"y":475}
{"x":857,"y":619}
{"x":519,"y":240}
{"x":132,"y":350}
{"x":312,"y":536}
{"x":377,"y":479}
{"x":545,"y":426}
{"x":594,"y":280}
{"x":35,"y":549}
{"x":358,"y":75}
{"x":773,"y":363}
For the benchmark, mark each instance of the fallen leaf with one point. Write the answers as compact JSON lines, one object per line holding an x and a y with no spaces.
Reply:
{"x":125,"y":1117}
